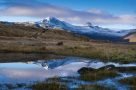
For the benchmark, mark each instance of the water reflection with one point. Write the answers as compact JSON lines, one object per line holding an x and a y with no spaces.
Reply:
{"x":27,"y":72}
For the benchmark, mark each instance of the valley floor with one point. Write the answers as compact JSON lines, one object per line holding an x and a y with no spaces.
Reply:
{"x":17,"y":48}
{"x":16,"y":41}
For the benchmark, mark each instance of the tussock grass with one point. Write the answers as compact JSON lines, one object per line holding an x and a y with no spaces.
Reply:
{"x":105,"y":51}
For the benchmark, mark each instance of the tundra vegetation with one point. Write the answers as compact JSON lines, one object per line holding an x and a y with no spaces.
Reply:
{"x":21,"y":39}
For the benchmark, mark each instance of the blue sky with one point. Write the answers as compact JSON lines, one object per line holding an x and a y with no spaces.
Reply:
{"x":120,"y":14}
{"x":112,"y":6}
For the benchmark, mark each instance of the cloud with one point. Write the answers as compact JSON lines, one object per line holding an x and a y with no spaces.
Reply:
{"x":43,"y":10}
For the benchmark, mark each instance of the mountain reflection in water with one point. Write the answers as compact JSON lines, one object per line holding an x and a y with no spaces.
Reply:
{"x":27,"y":72}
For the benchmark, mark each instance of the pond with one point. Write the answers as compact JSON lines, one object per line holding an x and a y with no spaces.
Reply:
{"x":40,"y":70}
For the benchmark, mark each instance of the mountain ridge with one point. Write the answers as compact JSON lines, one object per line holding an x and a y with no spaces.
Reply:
{"x":91,"y":31}
{"x":94,"y":32}
{"x":131,"y":37}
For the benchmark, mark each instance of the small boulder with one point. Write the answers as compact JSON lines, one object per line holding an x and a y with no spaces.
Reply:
{"x":60,"y":43}
{"x":86,"y":70}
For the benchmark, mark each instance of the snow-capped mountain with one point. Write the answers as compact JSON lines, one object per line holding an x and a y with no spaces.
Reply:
{"x":95,"y":32}
{"x":89,"y":30}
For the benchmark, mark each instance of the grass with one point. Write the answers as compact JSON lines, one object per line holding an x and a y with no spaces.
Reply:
{"x":49,"y":86}
{"x":93,"y":87}
{"x":21,"y":39}
{"x":57,"y":84}
{"x":131,"y":81}
{"x":105,"y":51}
{"x":98,"y":75}
{"x":24,"y":57}
{"x":34,"y":32}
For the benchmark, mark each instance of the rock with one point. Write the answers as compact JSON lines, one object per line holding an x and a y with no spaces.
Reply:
{"x":86,"y":70}
{"x":89,"y":69}
{"x":90,"y":74}
{"x":107,"y":67}
{"x":60,"y":43}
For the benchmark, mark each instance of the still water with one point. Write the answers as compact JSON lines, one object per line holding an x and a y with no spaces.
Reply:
{"x":40,"y":70}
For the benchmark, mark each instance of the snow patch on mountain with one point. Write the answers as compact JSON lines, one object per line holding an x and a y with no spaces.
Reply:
{"x":54,"y":23}
{"x":89,"y":30}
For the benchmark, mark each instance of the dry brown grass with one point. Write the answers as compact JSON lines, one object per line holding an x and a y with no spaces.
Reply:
{"x":21,"y":40}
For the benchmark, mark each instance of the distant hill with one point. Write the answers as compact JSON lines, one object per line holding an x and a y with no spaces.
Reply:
{"x":23,"y":31}
{"x":28,"y":29}
{"x":131,"y":37}
{"x":89,"y":30}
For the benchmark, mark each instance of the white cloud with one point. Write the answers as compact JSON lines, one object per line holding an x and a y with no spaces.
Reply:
{"x":95,"y":16}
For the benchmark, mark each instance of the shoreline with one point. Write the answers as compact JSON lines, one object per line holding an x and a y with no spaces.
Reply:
{"x":24,"y":57}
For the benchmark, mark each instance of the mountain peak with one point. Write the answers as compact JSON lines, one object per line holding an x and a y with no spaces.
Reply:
{"x":89,"y":24}
{"x":89,"y":30}
{"x":51,"y":19}
{"x":52,"y":22}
